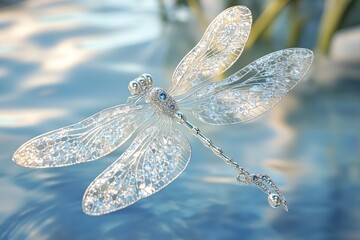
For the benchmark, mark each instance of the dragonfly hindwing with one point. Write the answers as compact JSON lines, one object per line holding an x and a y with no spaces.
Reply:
{"x":154,"y":159}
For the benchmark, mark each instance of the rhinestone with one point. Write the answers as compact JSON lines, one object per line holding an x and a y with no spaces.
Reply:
{"x":162,"y":96}
{"x":274,"y":200}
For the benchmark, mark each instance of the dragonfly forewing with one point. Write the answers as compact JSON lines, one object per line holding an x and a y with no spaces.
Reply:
{"x":220,"y":46}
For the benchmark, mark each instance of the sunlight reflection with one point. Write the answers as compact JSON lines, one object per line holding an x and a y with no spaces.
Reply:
{"x":124,"y":67}
{"x":133,"y":36}
{"x":10,"y":202}
{"x":28,"y":117}
{"x":3,"y":72}
{"x":221,"y":180}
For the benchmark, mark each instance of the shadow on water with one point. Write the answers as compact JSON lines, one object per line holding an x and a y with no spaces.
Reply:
{"x":76,"y":58}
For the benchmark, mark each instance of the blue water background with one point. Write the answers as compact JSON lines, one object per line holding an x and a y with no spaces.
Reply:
{"x":61,"y":61}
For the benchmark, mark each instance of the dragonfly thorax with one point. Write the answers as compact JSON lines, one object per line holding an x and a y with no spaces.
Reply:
{"x":162,"y":101}
{"x":157,"y":97}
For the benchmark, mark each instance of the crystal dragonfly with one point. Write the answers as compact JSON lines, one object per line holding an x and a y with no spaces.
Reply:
{"x":160,"y":152}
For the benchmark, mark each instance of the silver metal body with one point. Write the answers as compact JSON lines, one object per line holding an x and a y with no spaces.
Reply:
{"x":165,"y":104}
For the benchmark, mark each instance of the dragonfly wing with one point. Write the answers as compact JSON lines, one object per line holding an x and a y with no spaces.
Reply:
{"x":84,"y":141}
{"x":155,"y":158}
{"x":251,"y":91}
{"x":219,"y":48}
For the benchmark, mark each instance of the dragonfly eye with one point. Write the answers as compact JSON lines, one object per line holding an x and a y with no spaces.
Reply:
{"x":142,"y":82}
{"x":149,"y":79}
{"x":133,"y":87}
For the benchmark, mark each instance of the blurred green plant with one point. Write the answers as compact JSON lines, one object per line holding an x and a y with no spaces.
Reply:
{"x":266,"y":18}
{"x":333,"y":14}
{"x":331,"y":18}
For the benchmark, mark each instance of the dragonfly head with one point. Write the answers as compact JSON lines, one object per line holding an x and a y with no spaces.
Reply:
{"x":140,"y":85}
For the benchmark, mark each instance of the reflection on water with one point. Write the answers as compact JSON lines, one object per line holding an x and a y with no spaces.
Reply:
{"x":62,"y":61}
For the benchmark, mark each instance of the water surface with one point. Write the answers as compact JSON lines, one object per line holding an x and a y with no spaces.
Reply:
{"x":62,"y":61}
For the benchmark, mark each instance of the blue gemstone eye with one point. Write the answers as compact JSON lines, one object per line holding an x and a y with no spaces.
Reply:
{"x":172,"y":107}
{"x":162,"y":96}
